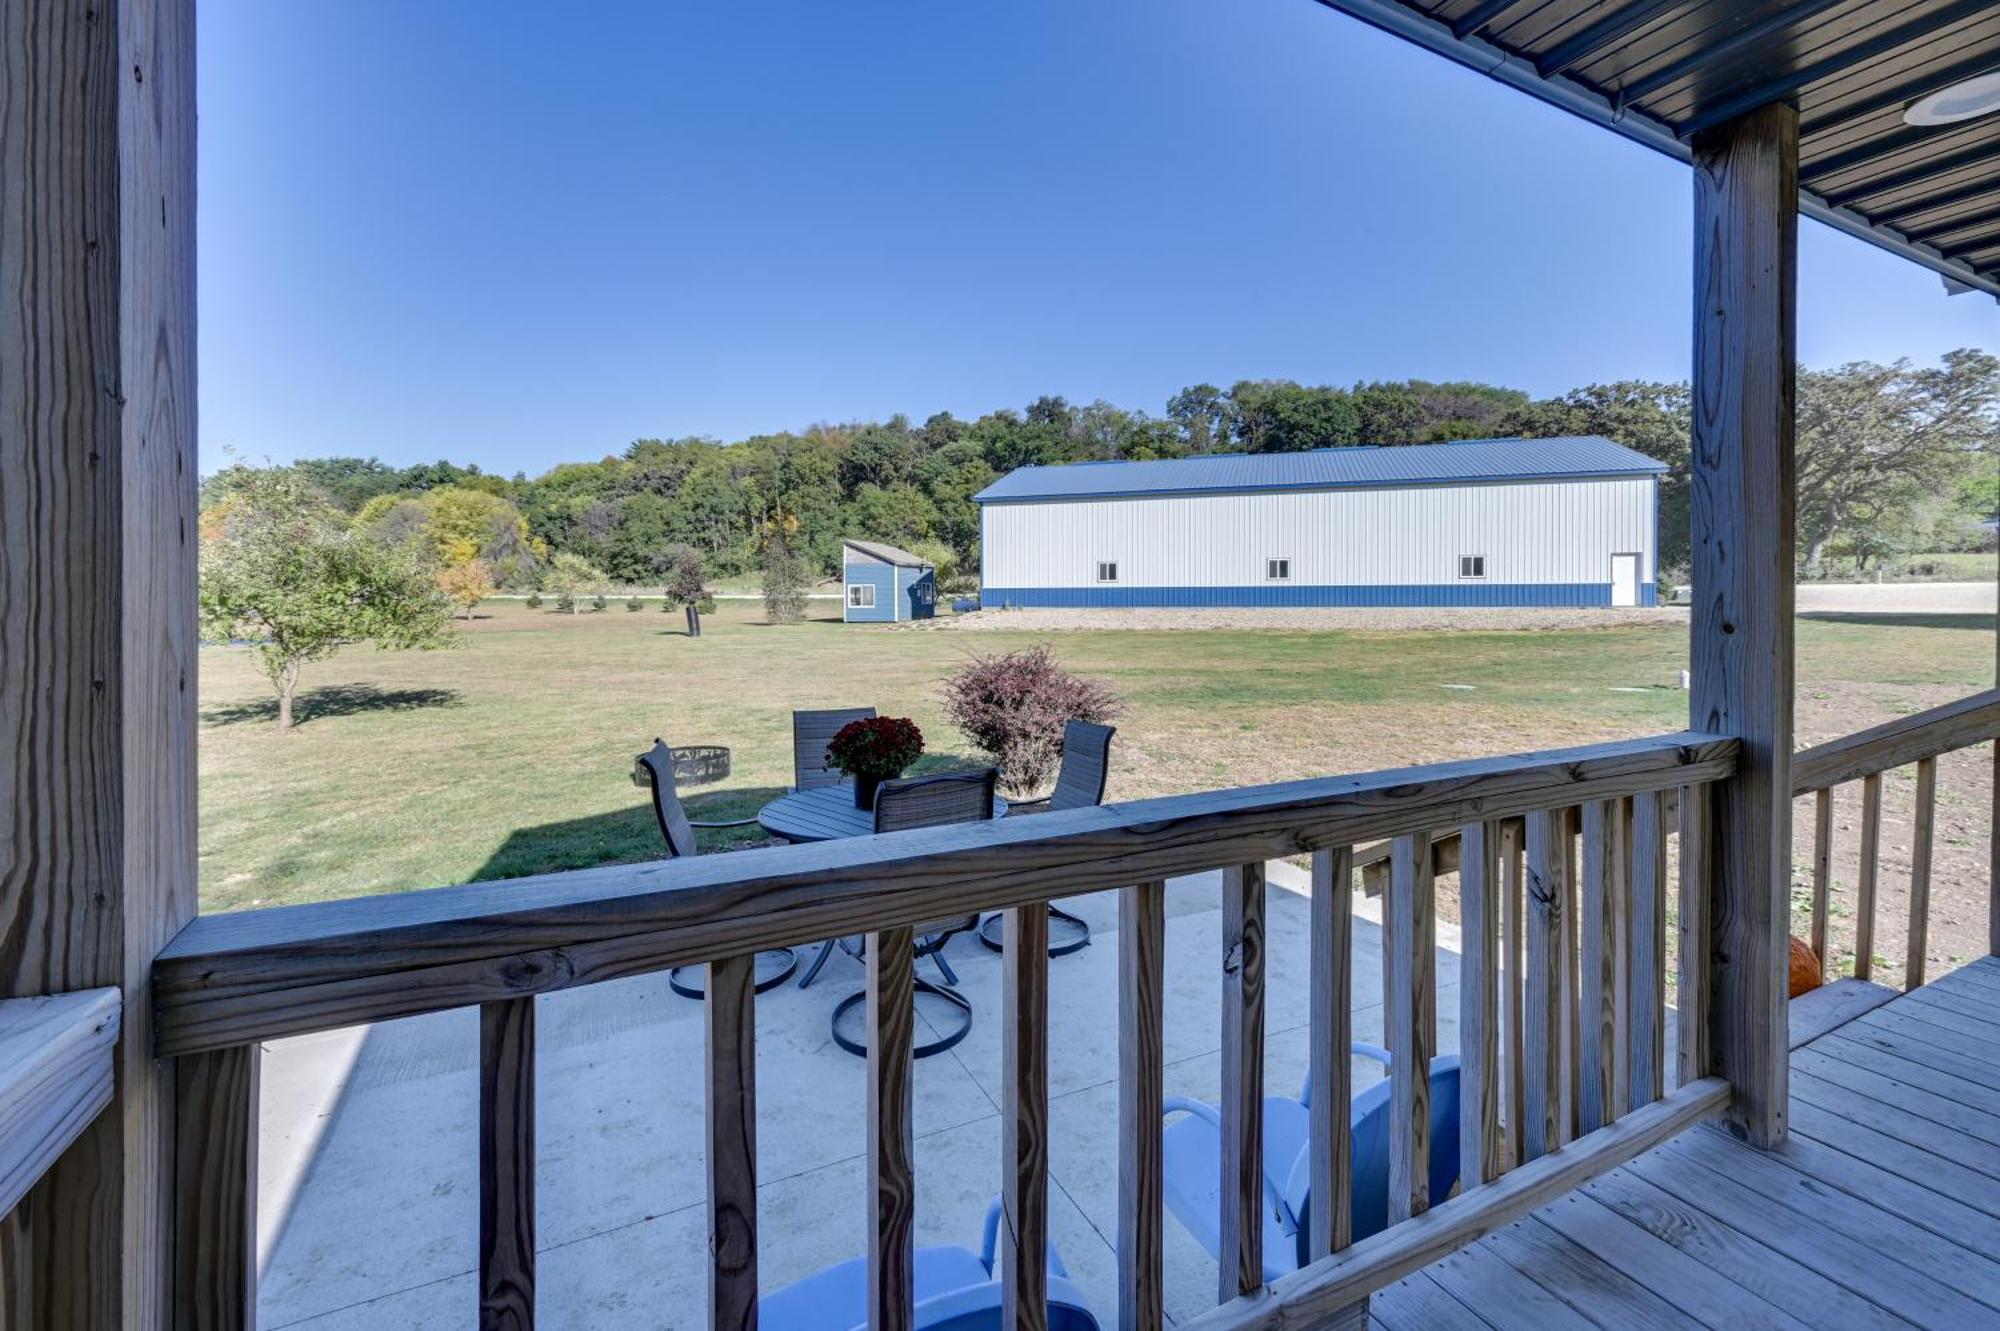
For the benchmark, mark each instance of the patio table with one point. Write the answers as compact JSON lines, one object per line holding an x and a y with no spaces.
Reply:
{"x":826,"y":813}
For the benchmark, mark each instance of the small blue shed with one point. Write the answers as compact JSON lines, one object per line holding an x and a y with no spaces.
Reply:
{"x":885,"y":585}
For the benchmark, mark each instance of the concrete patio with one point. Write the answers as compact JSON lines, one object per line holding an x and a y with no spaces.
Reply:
{"x":368,"y":1184}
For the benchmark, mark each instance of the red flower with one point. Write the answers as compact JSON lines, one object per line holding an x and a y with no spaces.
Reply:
{"x":879,"y":746}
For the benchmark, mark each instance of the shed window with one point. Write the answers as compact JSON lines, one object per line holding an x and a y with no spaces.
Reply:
{"x":1107,"y":570}
{"x":1278,"y":570}
{"x":1472,"y":566}
{"x":861,"y":595}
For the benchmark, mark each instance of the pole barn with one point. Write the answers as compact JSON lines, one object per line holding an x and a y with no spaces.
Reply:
{"x":1489,"y":522}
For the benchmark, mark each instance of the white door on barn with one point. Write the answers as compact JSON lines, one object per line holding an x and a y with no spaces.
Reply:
{"x":1624,"y":579}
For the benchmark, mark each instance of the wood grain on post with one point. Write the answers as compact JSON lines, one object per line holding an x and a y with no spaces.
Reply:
{"x":1331,"y":1031}
{"x":1024,"y":1119}
{"x":1866,"y":876}
{"x":1822,"y":890}
{"x":1411,"y":1022}
{"x":1142,"y":947}
{"x":1743,"y":495}
{"x":892,"y":1184}
{"x":1598,"y":969}
{"x":731,"y":1100}
{"x":1923,"y":832}
{"x":1242,"y":1266}
{"x":1695,"y":873}
{"x":1569,"y":953}
{"x":1542,"y":1073}
{"x":98,"y":479}
{"x":507,"y":1165}
{"x":1478,"y":1007}
{"x":1513,"y":890}
{"x":215,"y":1191}
{"x":1645,"y":1003}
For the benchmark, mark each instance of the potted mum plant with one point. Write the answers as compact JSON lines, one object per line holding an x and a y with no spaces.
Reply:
{"x":874,"y":750}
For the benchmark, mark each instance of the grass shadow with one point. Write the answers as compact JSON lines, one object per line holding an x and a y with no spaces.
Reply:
{"x":331,"y":701}
{"x":626,"y":836}
{"x":1983,"y":623}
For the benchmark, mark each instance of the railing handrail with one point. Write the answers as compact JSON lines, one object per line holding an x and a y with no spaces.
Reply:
{"x":231,"y":979}
{"x":1907,"y":739}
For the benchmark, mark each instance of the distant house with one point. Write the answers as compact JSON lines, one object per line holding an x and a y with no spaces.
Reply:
{"x":1488,"y":522}
{"x":885,"y":585}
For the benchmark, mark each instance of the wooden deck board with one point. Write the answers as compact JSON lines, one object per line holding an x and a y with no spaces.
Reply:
{"x":1882,"y":1210}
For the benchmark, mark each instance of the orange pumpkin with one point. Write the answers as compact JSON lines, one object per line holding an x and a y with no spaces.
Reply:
{"x":1805,"y":967}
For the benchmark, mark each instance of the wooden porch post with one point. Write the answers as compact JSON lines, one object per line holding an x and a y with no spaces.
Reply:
{"x":97,"y":555}
{"x":1740,"y":644}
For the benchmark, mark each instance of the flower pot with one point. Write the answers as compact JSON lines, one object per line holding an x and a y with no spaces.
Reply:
{"x":864,"y":790}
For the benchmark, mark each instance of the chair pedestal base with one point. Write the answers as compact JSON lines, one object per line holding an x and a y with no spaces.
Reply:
{"x":956,"y":1004}
{"x":774,"y":967}
{"x":1073,"y":937}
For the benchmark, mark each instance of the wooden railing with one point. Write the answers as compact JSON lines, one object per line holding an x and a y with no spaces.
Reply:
{"x":1864,"y":756}
{"x":1580,"y":1092}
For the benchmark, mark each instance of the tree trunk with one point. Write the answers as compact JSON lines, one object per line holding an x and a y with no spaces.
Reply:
{"x":1814,"y":551}
{"x":694,"y":621}
{"x":288,"y":684}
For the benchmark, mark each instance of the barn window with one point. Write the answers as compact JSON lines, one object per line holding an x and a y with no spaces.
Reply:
{"x":1278,"y":570}
{"x":861,"y":595}
{"x":1107,"y":570}
{"x":1472,"y":566}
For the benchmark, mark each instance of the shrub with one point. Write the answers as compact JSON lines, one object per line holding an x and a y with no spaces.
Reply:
{"x":878,"y":746}
{"x":534,"y":601}
{"x":635,"y":604}
{"x":785,"y":580}
{"x":565,"y":604}
{"x":598,"y":602}
{"x":1014,"y":707}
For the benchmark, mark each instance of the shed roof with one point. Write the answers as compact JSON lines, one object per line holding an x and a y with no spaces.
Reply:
{"x":1470,"y":461}
{"x":889,"y":554}
{"x":1661,"y":71}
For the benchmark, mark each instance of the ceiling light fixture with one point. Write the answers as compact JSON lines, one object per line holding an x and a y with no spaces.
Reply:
{"x":1975,"y":97}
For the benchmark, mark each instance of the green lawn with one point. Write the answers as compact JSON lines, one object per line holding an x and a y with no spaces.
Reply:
{"x":512,"y":754}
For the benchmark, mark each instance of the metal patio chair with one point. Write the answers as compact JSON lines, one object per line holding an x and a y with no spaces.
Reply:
{"x":774,"y":965}
{"x":1080,"y":782}
{"x":811,"y":733}
{"x":923,"y":801}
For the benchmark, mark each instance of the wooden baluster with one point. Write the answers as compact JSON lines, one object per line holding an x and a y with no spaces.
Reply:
{"x":1478,"y":1007}
{"x":1692,"y":1030}
{"x":892,"y":1191}
{"x":1865,"y":875}
{"x":1644,"y":1002}
{"x":731,"y":1064}
{"x":1541,"y":1069}
{"x":1822,"y":869}
{"x":1242,"y":1080}
{"x":1572,"y":998}
{"x":1922,"y":832}
{"x":1514,"y":945}
{"x":1621,"y":950}
{"x":1597,"y":963}
{"x":1331,"y":1032}
{"x":1142,"y":937}
{"x":1024,"y":1118}
{"x":215,"y":1191}
{"x":507,"y":1164}
{"x":1411,"y":1019}
{"x":1993,"y":862}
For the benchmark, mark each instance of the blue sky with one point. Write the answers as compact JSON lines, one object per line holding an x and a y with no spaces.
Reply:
{"x":517,"y":234}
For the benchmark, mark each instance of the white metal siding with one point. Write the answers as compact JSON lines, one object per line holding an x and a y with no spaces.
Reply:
{"x":1537,"y":532}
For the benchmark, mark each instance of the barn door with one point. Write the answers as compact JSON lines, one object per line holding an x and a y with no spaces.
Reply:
{"x":1624,"y":579}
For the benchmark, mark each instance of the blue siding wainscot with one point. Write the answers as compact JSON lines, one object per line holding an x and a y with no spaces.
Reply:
{"x":1416,"y":595}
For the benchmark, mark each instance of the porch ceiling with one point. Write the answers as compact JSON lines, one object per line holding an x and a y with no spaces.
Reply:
{"x":1660,"y":71}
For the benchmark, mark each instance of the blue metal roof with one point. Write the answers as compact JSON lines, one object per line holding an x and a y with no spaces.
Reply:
{"x":1467,"y":462}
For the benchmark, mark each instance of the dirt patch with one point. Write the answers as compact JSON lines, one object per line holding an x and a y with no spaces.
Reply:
{"x":1387,"y":618}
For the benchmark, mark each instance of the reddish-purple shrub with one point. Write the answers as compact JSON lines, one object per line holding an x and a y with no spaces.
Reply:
{"x":880,"y":746}
{"x":1015,"y":707}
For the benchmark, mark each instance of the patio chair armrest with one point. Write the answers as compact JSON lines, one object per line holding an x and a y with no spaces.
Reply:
{"x":1359,"y":1049}
{"x":1274,"y":1191}
{"x":732,"y":822}
{"x":1018,"y":806}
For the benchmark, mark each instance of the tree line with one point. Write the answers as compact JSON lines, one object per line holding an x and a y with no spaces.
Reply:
{"x":1892,"y":459}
